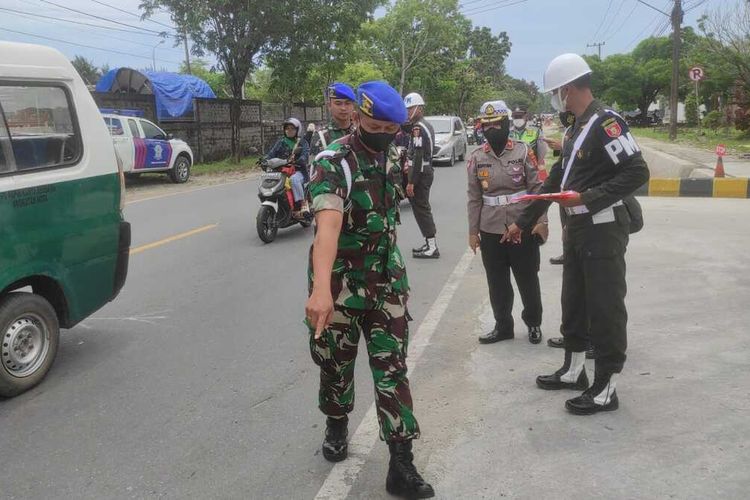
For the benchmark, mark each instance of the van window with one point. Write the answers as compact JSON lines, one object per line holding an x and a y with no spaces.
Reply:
{"x":151,"y":131}
{"x":6,"y":151}
{"x":41,"y":126}
{"x":134,"y":128}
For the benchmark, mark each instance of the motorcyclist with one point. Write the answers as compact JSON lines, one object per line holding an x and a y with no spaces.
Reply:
{"x":293,"y":148}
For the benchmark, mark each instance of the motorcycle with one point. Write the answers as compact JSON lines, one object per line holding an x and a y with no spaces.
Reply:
{"x":277,"y":201}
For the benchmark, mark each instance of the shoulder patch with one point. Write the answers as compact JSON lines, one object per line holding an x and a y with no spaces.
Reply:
{"x":612,"y":127}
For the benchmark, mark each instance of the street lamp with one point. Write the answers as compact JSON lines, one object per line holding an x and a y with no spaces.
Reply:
{"x":153,"y":54}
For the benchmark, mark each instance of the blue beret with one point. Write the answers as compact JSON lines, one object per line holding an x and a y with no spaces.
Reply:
{"x":338,"y":90}
{"x":380,"y":101}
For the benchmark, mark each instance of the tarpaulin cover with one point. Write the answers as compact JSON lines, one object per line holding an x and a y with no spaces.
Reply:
{"x":174,"y":93}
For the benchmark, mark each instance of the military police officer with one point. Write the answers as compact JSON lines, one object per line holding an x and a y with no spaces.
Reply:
{"x":358,"y":283}
{"x":499,"y":172}
{"x":421,"y":175}
{"x":602,"y":166}
{"x":340,"y":99}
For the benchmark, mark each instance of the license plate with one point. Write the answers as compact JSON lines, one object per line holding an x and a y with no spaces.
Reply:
{"x":271,"y":175}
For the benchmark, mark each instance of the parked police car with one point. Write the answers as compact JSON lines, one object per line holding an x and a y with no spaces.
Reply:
{"x":144,"y":148}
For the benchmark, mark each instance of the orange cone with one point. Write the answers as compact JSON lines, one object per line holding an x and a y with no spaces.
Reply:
{"x":719,"y":171}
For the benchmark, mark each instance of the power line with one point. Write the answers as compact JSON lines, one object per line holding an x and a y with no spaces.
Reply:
{"x":606,"y":14}
{"x":84,"y":46}
{"x":494,"y":7}
{"x":53,"y":20}
{"x":651,"y":6}
{"x":132,"y":14}
{"x":477,"y":8}
{"x":106,"y":19}
{"x":614,"y":17}
{"x":81,"y":23}
{"x":624,"y":22}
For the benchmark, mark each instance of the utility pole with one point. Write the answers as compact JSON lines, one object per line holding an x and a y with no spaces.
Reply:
{"x":676,"y":18}
{"x":187,"y":52}
{"x":676,"y":39}
{"x":598,"y":46}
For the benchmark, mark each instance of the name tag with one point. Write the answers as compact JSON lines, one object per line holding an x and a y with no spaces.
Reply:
{"x":603,"y":217}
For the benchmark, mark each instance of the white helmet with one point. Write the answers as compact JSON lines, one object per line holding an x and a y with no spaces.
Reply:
{"x":563,"y":70}
{"x":294,"y":122}
{"x":413,"y":99}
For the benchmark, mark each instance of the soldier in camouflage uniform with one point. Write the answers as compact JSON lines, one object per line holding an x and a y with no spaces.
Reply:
{"x":340,"y":98}
{"x":358,"y":284}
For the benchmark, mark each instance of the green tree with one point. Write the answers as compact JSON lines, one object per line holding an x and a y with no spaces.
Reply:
{"x":691,"y":110}
{"x":87,"y":69}
{"x":355,"y":73}
{"x":419,"y":34}
{"x":217,"y":80}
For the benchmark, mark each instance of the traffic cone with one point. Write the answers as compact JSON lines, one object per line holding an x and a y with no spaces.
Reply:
{"x":719,"y":170}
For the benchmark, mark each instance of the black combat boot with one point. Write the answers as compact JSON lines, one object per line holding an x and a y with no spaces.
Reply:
{"x":572,"y":375}
{"x":535,"y":334}
{"x":335,"y":447}
{"x":431,"y":252}
{"x":601,"y":396}
{"x":423,"y":248}
{"x":403,"y":479}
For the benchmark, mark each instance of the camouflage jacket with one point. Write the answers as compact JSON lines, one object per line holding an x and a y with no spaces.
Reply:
{"x":329,"y":134}
{"x":369,"y":266}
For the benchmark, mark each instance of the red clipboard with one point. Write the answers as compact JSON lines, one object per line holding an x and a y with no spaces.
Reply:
{"x":564,"y":195}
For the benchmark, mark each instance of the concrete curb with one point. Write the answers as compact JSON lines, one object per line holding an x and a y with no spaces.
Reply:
{"x":701,"y":188}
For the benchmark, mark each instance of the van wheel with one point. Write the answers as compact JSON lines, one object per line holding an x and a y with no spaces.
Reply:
{"x":180,"y":173}
{"x":453,"y":158}
{"x":462,"y":157}
{"x":30,"y":336}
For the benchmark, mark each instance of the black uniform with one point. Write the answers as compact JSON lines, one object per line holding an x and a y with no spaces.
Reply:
{"x":421,"y":174}
{"x":607,"y":168}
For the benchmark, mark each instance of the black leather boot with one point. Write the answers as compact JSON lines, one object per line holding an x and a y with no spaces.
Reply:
{"x":423,"y":248}
{"x":496,"y":335}
{"x":535,"y":334}
{"x":335,"y":447}
{"x":403,"y":479}
{"x":601,"y":396}
{"x":572,"y":375}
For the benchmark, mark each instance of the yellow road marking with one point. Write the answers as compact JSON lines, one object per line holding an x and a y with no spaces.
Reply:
{"x":176,"y":237}
{"x":186,"y":191}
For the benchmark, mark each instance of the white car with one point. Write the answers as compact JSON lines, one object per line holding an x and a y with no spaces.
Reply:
{"x":450,"y":139}
{"x":144,"y":148}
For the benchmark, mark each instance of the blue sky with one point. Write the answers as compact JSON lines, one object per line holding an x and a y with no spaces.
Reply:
{"x":538,"y":29}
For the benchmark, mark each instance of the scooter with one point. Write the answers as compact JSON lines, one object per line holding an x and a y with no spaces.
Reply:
{"x":277,"y":201}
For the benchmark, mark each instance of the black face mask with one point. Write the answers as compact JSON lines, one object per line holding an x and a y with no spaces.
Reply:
{"x":567,"y":118}
{"x":498,"y":137}
{"x":377,"y":142}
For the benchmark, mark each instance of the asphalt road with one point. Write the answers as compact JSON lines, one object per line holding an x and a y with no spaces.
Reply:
{"x":197,"y":382}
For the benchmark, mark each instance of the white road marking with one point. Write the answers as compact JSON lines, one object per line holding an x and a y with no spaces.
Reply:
{"x":343,"y":475}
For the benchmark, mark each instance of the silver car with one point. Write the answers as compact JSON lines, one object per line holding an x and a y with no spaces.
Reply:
{"x":450,"y":139}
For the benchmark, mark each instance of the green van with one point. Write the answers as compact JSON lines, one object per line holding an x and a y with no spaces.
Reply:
{"x":64,"y":245}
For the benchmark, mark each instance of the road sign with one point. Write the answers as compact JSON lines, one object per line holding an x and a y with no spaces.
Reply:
{"x":721,"y":150}
{"x":696,"y":73}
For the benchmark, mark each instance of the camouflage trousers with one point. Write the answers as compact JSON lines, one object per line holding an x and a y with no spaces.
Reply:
{"x":386,"y":332}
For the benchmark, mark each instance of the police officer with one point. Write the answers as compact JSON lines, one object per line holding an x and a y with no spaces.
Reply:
{"x":421,"y":175}
{"x":601,"y":165}
{"x":340,"y":100}
{"x":531,"y":135}
{"x":358,"y":283}
{"x":499,"y":171}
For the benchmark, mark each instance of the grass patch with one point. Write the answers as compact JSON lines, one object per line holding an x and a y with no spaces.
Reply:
{"x":247,"y":165}
{"x":736,"y":141}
